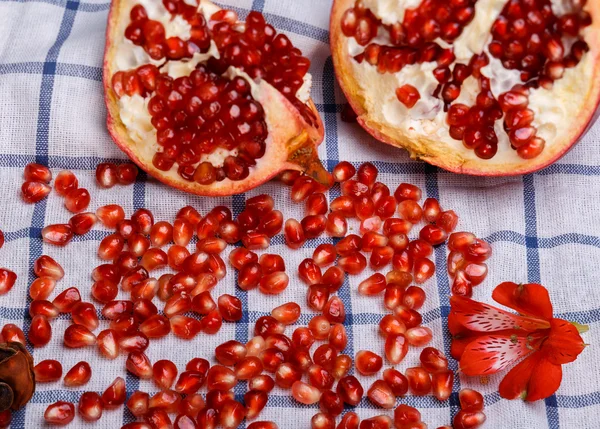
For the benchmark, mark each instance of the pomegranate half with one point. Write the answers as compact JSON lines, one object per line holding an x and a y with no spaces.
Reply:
{"x":204,"y":102}
{"x":483,"y":87}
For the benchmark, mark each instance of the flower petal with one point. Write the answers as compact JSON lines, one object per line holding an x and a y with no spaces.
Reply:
{"x":545,"y":380}
{"x":492,"y":353}
{"x":564,"y":343}
{"x":528,"y":299}
{"x":481,"y":317}
{"x":514,"y":384}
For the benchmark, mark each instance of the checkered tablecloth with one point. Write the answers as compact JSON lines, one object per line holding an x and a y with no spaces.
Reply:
{"x":543,"y":227}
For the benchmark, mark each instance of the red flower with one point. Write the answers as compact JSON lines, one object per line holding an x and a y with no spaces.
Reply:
{"x":487,"y":339}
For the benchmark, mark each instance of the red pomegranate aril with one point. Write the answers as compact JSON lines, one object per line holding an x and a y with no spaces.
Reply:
{"x":325,"y":254}
{"x":212,"y":322}
{"x":441,"y":384}
{"x":350,"y":420}
{"x":419,"y":381}
{"x":255,"y":401}
{"x":255,"y":240}
{"x":414,"y":297}
{"x":471,"y":401}
{"x":460,"y":241}
{"x":230,"y":352}
{"x":58,"y":234}
{"x":322,"y":421}
{"x":137,"y":403}
{"x":423,"y":270}
{"x":139,"y":365}
{"x":313,"y":226}
{"x":65,"y":182}
{"x":305,"y":393}
{"x":317,"y":296}
{"x":43,"y":308}
{"x":47,"y":371}
{"x":78,"y":375}
{"x":106,"y":175}
{"x":185,"y":327}
{"x":287,"y":313}
{"x":263,"y":382}
{"x":191,"y":405}
{"x":77,"y":336}
{"x":350,"y":390}
{"x":336,"y":225}
{"x":333,"y":278}
{"x":372,"y":240}
{"x":33,"y":191}
{"x":241,"y":256}
{"x":343,"y":171}
{"x":392,"y":296}
{"x":334,"y":310}
{"x":367,"y":362}
{"x":164,"y":373}
{"x":325,"y":355}
{"x":408,"y":95}
{"x":364,"y":207}
{"x":467,"y":420}
{"x":475,"y":273}
{"x":309,"y":272}
{"x":84,"y":313}
{"x":419,"y":336}
{"x":406,"y":191}
{"x":271,"y":263}
{"x":391,"y":325}
{"x":143,"y":220}
{"x":189,"y":382}
{"x":381,"y":395}
{"x":157,"y":418}
{"x":77,"y":200}
{"x":270,"y":223}
{"x":230,"y":308}
{"x":381,"y":257}
{"x":220,"y":377}
{"x":82,"y":223}
{"x":274,"y":283}
{"x":45,"y":266}
{"x":338,"y":338}
{"x":286,"y":375}
{"x":411,"y":318}
{"x":108,"y":345}
{"x":341,"y":366}
{"x":37,"y":173}
{"x":12,"y":333}
{"x":432,"y":360}
{"x":478,"y":251}
{"x":60,"y":413}
{"x":67,"y":299}
{"x":90,"y":406}
{"x":396,"y":348}
{"x":353,"y":263}
{"x":393,"y":226}
{"x":115,"y":394}
{"x":320,"y":327}
{"x":396,"y":381}
{"x":344,"y":206}
{"x":331,"y":404}
{"x":316,"y":204}
{"x":166,"y":400}
{"x":406,"y":416}
{"x":126,"y":173}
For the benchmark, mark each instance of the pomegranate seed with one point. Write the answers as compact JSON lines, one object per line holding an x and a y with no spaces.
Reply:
{"x":108,"y":344}
{"x":191,"y":406}
{"x":305,"y":393}
{"x":334,"y":310}
{"x":470,"y":400}
{"x":138,"y":403}
{"x":381,"y":257}
{"x":270,"y":263}
{"x":367,"y":362}
{"x":43,"y":308}
{"x":84,"y":313}
{"x":441,"y":383}
{"x":408,"y":95}
{"x":261,"y":204}
{"x":220,"y":378}
{"x":158,"y":418}
{"x":60,"y":413}
{"x":139,"y":365}
{"x":143,"y":220}
{"x":353,"y":263}
{"x":343,"y":171}
{"x":270,"y":223}
{"x":230,"y":308}
{"x":286,"y":375}
{"x":371,"y":240}
{"x":287,"y":313}
{"x":448,"y":221}
{"x":79,"y":375}
{"x":232,"y":414}
{"x":67,"y":299}
{"x":111,"y":246}
{"x":331,"y":404}
{"x":241,"y":256}
{"x":37,"y":173}
{"x":203,"y":303}
{"x":393,"y":226}
{"x":419,"y":336}
{"x":189,"y":382}
{"x":336,"y":225}
{"x":338,"y":338}
{"x":248,"y":367}
{"x":32,"y":192}
{"x":255,"y":240}
{"x":466,"y":420}
{"x":316,"y":204}
{"x":322,"y":421}
{"x":423,"y":269}
{"x":65,"y":182}
{"x":165,"y":400}
{"x":255,"y":401}
{"x":47,"y":371}
{"x":344,"y":206}
{"x":90,"y":406}
{"x":317,"y":296}
{"x":263,"y":383}
{"x":77,"y":336}
{"x":460,"y":241}
{"x":185,"y":327}
{"x":106,"y":271}
{"x":110,"y":215}
{"x":373,"y":285}
{"x":59,"y":234}
{"x":230,"y":352}
{"x":396,"y":348}
{"x":164,"y":373}
{"x":7,"y":280}
{"x":410,"y":211}
{"x":45,"y":266}
{"x":341,"y":367}
{"x":414,"y":297}
{"x":419,"y":381}
{"x":478,"y":251}
{"x":77,"y":200}
{"x":333,"y":278}
{"x":391,"y":325}
{"x":350,"y":390}
{"x":82,"y":223}
{"x":106,"y":175}
{"x":211,"y":323}
{"x":319,"y":326}
{"x":349,"y":421}
{"x":309,"y":272}
{"x":397,"y":382}
{"x":406,"y":416}
{"x":274,"y":283}
{"x":324,"y":254}
{"x":126,"y":173}
{"x":381,"y":395}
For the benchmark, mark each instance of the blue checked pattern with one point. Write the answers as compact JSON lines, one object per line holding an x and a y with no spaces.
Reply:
{"x":543,"y":226}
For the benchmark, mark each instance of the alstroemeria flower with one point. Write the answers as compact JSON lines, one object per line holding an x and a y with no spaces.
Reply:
{"x":487,"y":340}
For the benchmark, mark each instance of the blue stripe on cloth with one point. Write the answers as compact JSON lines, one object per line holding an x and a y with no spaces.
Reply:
{"x":533,"y":269}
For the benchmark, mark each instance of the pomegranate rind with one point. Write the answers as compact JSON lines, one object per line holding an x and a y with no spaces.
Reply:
{"x":292,"y":143}
{"x":429,"y":148}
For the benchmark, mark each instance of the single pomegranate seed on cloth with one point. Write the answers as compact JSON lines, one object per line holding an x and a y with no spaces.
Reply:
{"x":78,"y":375}
{"x":60,"y":413}
{"x":47,"y":371}
{"x":7,"y":280}
{"x":350,"y":390}
{"x":106,"y":175}
{"x":33,"y":191}
{"x":58,"y":235}
{"x":37,"y":173}
{"x":90,"y":406}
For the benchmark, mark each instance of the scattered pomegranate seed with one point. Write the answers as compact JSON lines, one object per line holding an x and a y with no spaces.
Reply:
{"x":60,"y":413}
{"x":350,"y":390}
{"x":465,"y":420}
{"x":470,"y":400}
{"x":287,"y":313}
{"x":405,"y":415}
{"x":59,"y":234}
{"x":47,"y":371}
{"x":138,"y":403}
{"x":397,"y":382}
{"x":37,"y":173}
{"x":90,"y":406}
{"x":126,"y":173}
{"x":32,"y":192}
{"x":79,"y":375}
{"x":84,"y":313}
{"x":419,"y":381}
{"x":40,"y":331}
{"x":77,"y":200}
{"x":305,"y":393}
{"x":441,"y":383}
{"x":7,"y":280}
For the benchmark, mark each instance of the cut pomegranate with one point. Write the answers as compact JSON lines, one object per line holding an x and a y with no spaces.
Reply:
{"x":231,"y":120}
{"x":538,"y":52}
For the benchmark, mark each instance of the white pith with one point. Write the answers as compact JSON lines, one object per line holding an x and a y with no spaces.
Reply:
{"x":133,"y":110}
{"x":553,"y":109}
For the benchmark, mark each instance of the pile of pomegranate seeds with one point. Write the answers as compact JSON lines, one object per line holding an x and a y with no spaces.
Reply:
{"x":206,"y":111}
{"x":270,"y":358}
{"x":526,"y":36}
